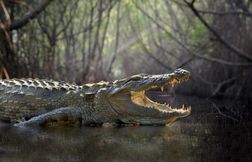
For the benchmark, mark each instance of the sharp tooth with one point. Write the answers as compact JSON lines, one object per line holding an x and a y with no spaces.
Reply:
{"x":162,"y":88}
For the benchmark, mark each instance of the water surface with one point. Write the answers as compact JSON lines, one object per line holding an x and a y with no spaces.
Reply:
{"x":216,"y":131}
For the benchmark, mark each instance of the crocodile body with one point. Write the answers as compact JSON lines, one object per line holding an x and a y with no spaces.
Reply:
{"x":32,"y":102}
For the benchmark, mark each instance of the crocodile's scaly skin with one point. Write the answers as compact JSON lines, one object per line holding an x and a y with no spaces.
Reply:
{"x":39,"y":101}
{"x":21,"y":99}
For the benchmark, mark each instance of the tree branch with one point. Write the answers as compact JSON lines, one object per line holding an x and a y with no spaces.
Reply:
{"x":216,"y":34}
{"x":221,"y":113}
{"x":216,"y":60}
{"x":231,"y":13}
{"x":221,"y":84}
{"x":29,"y":16}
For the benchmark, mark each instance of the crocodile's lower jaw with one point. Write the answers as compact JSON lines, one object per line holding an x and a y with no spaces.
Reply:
{"x":139,"y":98}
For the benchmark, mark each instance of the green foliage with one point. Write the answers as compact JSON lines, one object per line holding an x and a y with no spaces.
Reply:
{"x":198,"y":34}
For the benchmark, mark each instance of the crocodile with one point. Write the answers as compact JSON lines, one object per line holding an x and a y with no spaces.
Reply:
{"x":42,"y":102}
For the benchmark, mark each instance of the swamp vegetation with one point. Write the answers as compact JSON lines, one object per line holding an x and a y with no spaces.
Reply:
{"x":85,"y":41}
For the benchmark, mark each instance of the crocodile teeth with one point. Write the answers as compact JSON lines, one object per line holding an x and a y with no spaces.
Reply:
{"x":162,"y":88}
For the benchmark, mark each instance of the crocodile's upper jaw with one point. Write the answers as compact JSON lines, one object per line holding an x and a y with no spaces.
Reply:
{"x":130,"y":102}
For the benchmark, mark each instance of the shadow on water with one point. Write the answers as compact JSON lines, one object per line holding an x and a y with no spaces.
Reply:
{"x":216,"y":131}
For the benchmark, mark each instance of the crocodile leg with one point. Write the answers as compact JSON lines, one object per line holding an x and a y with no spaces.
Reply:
{"x":57,"y":117}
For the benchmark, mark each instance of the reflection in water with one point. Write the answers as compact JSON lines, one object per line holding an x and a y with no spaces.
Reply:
{"x":205,"y":136}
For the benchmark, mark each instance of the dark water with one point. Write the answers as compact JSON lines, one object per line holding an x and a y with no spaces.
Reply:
{"x":216,"y":131}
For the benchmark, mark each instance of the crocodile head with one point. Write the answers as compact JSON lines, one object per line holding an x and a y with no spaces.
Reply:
{"x":128,"y":100}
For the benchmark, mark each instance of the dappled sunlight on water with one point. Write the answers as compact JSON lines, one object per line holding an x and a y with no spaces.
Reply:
{"x":205,"y":136}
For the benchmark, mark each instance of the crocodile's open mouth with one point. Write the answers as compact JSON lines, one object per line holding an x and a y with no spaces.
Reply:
{"x":130,"y":102}
{"x":139,"y":98}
